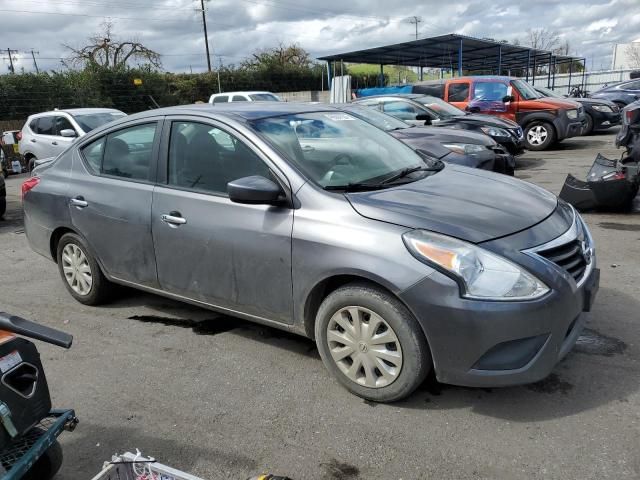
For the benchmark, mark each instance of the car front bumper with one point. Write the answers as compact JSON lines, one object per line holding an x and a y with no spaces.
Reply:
{"x":567,"y":127}
{"x":490,"y":344}
{"x":604,"y":120}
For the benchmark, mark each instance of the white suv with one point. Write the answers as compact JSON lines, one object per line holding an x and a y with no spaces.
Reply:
{"x":47,"y":134}
{"x":244,"y":97}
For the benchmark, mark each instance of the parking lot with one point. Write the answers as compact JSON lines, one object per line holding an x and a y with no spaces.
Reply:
{"x":223,"y":398}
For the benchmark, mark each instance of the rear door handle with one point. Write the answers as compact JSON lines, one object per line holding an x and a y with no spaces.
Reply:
{"x":79,"y":202}
{"x":174,"y":219}
{"x":33,"y":140}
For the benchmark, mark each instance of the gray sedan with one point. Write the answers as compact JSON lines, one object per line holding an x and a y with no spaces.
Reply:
{"x":395,"y":264}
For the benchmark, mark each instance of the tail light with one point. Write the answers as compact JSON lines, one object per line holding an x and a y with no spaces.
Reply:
{"x":28,"y":185}
{"x":19,"y":135}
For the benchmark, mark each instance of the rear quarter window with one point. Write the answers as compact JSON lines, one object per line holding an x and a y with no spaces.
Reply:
{"x":221,"y":99}
{"x":436,"y":90}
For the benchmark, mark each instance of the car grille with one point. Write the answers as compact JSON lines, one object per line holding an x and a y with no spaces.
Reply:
{"x":615,"y":108}
{"x":580,"y":110}
{"x":517,"y":132}
{"x":569,"y":256}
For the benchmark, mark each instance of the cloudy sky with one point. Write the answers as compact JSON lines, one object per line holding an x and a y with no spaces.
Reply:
{"x":238,"y":27}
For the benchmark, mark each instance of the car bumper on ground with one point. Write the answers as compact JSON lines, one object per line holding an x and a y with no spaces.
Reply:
{"x":483,"y":344}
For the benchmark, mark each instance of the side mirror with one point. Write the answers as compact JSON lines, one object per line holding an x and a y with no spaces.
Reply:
{"x":254,"y":190}
{"x":508,"y":98}
{"x":424,"y":117}
{"x":474,"y":109}
{"x":68,"y":133}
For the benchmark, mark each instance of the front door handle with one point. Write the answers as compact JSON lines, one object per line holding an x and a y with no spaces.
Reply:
{"x":33,"y":140}
{"x":79,"y":202}
{"x":174,"y":219}
{"x":54,"y":143}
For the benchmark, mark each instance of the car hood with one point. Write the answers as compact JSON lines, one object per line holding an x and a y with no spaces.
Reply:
{"x":461,"y":202}
{"x":479,"y":120}
{"x":595,"y":101}
{"x":550,"y":103}
{"x":431,"y":139}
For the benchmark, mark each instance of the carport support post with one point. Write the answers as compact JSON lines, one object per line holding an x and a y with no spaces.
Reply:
{"x":528,"y":63}
{"x":549,"y":72}
{"x":460,"y":59}
{"x":553,"y":82}
{"x":328,"y":75}
{"x":381,"y":79}
{"x":500,"y":60}
{"x":570,"y":71}
{"x":584,"y":72}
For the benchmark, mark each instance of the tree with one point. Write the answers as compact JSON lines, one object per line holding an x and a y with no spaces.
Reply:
{"x":104,"y":51}
{"x":542,"y":39}
{"x":281,"y":57}
{"x":633,"y":54}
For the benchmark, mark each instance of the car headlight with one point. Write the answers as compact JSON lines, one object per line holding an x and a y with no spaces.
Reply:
{"x":495,"y":131}
{"x":465,"y":148}
{"x":481,"y":274}
{"x":572,"y":114}
{"x":602,"y":108}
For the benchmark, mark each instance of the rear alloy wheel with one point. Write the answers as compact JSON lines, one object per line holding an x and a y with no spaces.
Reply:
{"x":539,"y":135}
{"x":79,"y":270}
{"x":371,"y":343}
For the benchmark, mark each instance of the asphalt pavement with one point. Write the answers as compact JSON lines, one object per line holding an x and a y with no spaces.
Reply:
{"x":224,"y":399}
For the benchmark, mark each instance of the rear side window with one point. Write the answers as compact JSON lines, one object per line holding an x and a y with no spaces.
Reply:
{"x":458,"y":92}
{"x":436,"y":90}
{"x":46,"y":126}
{"x":239,"y":98}
{"x":126,"y":153}
{"x":221,"y":99}
{"x":401,"y":110}
{"x":33,"y":125}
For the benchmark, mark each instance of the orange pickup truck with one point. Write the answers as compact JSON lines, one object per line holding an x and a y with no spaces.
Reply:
{"x":545,"y":121}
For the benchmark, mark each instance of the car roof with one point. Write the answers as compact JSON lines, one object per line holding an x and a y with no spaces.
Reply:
{"x":77,"y":111}
{"x":409,"y":96}
{"x":242,"y":110}
{"x":250,"y":92}
{"x":495,"y":78}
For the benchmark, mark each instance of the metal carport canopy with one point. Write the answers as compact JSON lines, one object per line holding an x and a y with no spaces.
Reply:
{"x":455,"y":51}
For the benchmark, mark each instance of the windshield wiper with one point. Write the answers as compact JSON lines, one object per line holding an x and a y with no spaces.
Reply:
{"x":408,"y":171}
{"x":356,"y":187}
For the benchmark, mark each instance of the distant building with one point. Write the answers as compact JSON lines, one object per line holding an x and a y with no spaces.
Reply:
{"x":624,"y":56}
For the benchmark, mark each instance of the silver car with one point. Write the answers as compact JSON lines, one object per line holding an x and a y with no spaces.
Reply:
{"x":47,"y":134}
{"x":395,"y":263}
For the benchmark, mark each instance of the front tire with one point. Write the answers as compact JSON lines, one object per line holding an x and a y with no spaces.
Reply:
{"x":539,"y":135}
{"x":80,"y":272}
{"x":31,"y":164}
{"x":588,"y":128}
{"x":371,"y":343}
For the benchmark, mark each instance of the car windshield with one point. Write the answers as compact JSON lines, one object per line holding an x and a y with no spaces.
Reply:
{"x":526,"y":91}
{"x":545,"y":92}
{"x":90,"y":121}
{"x":335,"y":149}
{"x":264,"y":97}
{"x":441,"y":108}
{"x":377,"y":119}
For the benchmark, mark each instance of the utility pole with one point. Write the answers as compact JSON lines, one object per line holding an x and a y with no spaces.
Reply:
{"x":415,"y":20}
{"x":11,"y":67}
{"x":35,"y":64}
{"x":206,"y":38}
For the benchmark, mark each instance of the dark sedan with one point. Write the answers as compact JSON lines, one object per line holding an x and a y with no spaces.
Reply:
{"x":622,"y":94}
{"x":467,"y":148}
{"x":419,"y":109}
{"x":599,"y":114}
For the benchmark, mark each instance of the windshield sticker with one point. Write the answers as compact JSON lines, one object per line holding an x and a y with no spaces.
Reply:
{"x":338,"y":117}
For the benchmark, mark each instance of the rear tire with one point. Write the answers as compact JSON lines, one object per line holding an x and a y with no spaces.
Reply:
{"x":80,"y":272}
{"x":3,"y":207}
{"x":31,"y":163}
{"x":539,"y":135}
{"x":385,"y":355}
{"x":47,"y":465}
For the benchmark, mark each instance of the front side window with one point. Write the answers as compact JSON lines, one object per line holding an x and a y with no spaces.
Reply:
{"x":440,"y":108}
{"x":401,"y":110}
{"x":489,"y":91}
{"x":205,"y":158}
{"x":335,"y":149}
{"x":458,"y":92}
{"x":526,"y":91}
{"x":63,"y":123}
{"x":239,"y":98}
{"x":263,"y":97}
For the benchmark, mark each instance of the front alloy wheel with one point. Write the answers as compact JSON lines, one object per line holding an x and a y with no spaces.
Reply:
{"x":364,"y":347}
{"x":539,"y":136}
